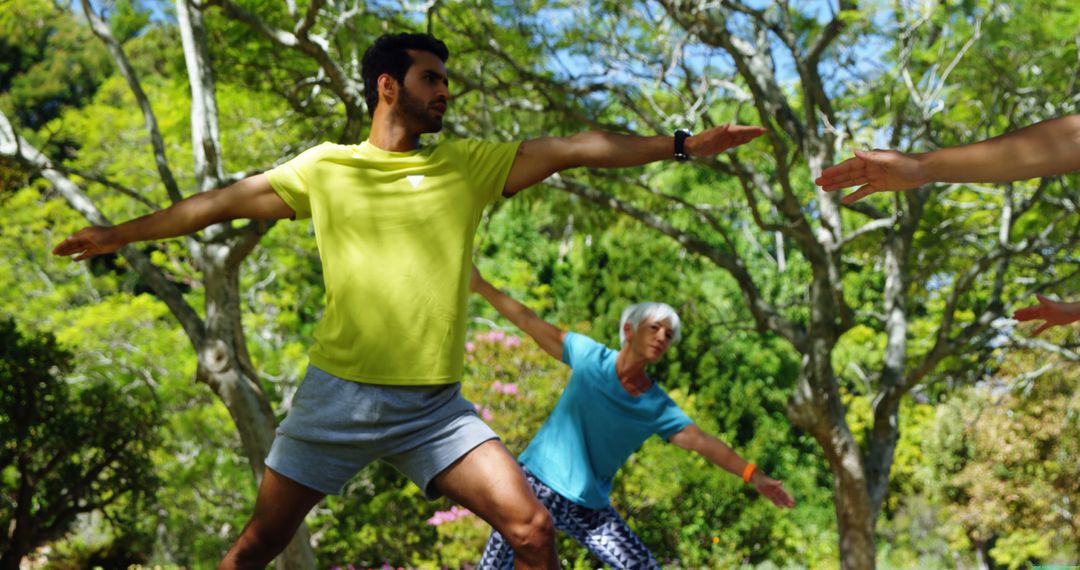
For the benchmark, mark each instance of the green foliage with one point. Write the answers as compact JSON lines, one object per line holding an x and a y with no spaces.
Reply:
{"x":66,"y":449}
{"x":48,"y":61}
{"x":126,"y":18}
{"x":997,"y":469}
{"x":578,"y":265}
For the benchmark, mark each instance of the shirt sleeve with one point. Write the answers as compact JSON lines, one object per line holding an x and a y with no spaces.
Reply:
{"x":568,"y":353}
{"x":490,"y":165}
{"x":671,"y":419}
{"x":291,"y":181}
{"x":577,"y":346}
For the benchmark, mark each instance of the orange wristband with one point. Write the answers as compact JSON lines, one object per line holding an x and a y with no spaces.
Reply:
{"x":748,"y":472}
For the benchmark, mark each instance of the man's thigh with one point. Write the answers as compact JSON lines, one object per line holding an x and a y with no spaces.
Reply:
{"x":489,"y":482}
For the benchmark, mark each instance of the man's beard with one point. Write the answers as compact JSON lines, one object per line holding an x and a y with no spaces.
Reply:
{"x":415,"y":112}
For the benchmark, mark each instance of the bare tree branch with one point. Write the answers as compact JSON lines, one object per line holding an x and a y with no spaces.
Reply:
{"x":349,"y":91}
{"x":102,"y":31}
{"x":134,"y":195}
{"x":766,"y":316}
{"x":20,"y":149}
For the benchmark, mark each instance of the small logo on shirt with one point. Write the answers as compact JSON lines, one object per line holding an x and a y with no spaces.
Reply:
{"x":415,"y":179}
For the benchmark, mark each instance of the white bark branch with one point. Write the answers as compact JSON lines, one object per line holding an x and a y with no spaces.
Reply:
{"x":14,"y":146}
{"x":102,"y":31}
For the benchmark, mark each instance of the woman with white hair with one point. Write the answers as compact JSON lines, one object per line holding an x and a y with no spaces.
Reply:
{"x":609,"y":408}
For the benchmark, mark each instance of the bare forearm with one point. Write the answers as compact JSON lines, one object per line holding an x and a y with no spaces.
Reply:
{"x":182,"y":218}
{"x":252,"y":198}
{"x":719,"y":454}
{"x":510,"y":308}
{"x":693,"y":438}
{"x":716,"y":451}
{"x":724,"y":457}
{"x":609,"y":150}
{"x":1043,"y":149}
{"x":547,"y":336}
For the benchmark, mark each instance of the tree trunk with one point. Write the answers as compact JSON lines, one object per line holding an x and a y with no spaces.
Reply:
{"x":854,"y":515}
{"x":816,"y":407}
{"x":225,"y":366}
{"x":982,"y":553}
{"x":11,"y":560}
{"x":854,"y":511}
{"x":20,"y":535}
{"x":218,"y":339}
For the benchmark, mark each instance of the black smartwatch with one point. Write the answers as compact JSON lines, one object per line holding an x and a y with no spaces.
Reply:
{"x":680,"y":144}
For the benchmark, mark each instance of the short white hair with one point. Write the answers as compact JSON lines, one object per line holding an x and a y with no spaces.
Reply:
{"x":641,"y":312}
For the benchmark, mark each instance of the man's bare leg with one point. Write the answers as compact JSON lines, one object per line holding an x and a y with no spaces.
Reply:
{"x":488,"y":482}
{"x":280,"y":507}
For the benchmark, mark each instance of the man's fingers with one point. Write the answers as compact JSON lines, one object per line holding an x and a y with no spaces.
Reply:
{"x":843,"y":174}
{"x":740,"y":134}
{"x":856,"y":179}
{"x":728,"y":136}
{"x":1028,"y":313}
{"x":69,"y":246}
{"x":1043,"y":327}
{"x":859,"y":194}
{"x":747,"y":130}
{"x":62,"y":247}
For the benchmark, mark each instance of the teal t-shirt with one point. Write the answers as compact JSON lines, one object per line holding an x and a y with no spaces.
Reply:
{"x":596,"y":425}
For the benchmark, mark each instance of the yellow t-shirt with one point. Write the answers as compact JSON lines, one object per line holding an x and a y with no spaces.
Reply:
{"x":395,"y":233}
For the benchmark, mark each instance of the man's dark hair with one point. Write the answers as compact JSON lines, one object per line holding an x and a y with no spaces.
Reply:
{"x":389,"y":55}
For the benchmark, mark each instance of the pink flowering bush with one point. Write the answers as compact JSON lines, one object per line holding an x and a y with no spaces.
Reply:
{"x":504,"y":388}
{"x":442,"y":517}
{"x":485,"y":412}
{"x":513,"y":385}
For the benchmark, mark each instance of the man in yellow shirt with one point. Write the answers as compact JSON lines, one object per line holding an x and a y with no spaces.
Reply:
{"x":395,"y":222}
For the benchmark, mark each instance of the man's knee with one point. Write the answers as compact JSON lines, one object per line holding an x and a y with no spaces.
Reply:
{"x":259,"y":544}
{"x":533,"y":533}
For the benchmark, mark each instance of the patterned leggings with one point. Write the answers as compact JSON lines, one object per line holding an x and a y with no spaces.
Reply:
{"x":602,"y":531}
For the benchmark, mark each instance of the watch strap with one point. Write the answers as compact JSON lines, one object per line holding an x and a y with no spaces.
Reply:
{"x":680,"y":144}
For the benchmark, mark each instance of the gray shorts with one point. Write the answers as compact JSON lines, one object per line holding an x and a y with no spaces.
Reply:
{"x":337,"y":427}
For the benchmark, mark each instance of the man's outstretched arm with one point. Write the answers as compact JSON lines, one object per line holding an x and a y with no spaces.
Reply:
{"x":692,"y":438}
{"x":1048,"y":148}
{"x":547,"y":335}
{"x":539,"y":158}
{"x":251,"y":198}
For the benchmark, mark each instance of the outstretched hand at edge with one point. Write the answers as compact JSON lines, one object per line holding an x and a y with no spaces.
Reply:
{"x":718,"y":139}
{"x":88,"y":242}
{"x":772,"y":490}
{"x":874,"y":171}
{"x":1053,"y":312}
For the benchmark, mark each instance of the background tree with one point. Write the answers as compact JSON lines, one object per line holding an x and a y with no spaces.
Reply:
{"x":1001,"y":459}
{"x":65,"y":449}
{"x":848,"y":309}
{"x":217,"y":337}
{"x":875,"y":272}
